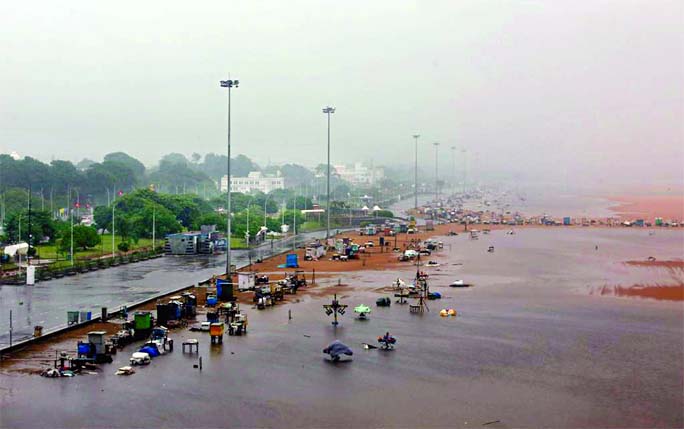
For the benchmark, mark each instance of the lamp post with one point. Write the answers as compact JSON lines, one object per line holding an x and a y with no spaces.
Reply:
{"x":247,"y":235}
{"x":436,"y":145}
{"x":463,"y":151}
{"x":453,"y":167}
{"x":113,"y":236}
{"x":228,"y":84}
{"x":328,"y":111}
{"x":154,"y":230}
{"x":415,"y":174}
{"x":294,"y":223}
{"x":265,"y":200}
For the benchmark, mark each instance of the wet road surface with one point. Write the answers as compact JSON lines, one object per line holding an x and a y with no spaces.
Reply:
{"x":46,"y":303}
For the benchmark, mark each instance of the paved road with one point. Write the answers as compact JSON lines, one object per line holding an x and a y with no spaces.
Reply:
{"x":47,"y":303}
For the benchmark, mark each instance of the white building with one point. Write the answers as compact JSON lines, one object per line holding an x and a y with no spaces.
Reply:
{"x":360,"y":174}
{"x":254,"y":182}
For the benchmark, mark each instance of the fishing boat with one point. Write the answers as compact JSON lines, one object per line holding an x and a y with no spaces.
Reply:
{"x":459,"y":283}
{"x":363,"y":311}
{"x":125,"y":370}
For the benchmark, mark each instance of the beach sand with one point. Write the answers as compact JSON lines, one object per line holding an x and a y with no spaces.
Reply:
{"x":648,"y":207}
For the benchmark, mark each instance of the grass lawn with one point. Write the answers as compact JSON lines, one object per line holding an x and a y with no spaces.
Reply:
{"x":49,"y":251}
{"x":237,"y":243}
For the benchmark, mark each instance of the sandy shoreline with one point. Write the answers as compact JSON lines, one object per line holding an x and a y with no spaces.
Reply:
{"x":648,"y":207}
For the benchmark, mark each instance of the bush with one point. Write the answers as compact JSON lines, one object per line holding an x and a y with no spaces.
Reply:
{"x":124,"y":246}
{"x":384,"y":213}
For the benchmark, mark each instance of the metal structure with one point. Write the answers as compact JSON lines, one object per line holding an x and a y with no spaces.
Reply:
{"x":453,"y":167}
{"x":436,"y":145}
{"x":228,"y":84}
{"x":463,"y":151}
{"x":328,"y":111}
{"x":335,"y":308}
{"x":415,"y":174}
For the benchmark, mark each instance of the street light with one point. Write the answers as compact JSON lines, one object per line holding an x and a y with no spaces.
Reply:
{"x":464,"y":170}
{"x":228,"y":84}
{"x":265,"y":200}
{"x":328,"y":111}
{"x":436,"y":145}
{"x":453,"y":167}
{"x":415,"y":174}
{"x":247,"y":235}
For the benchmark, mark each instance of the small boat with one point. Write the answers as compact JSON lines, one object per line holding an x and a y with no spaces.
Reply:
{"x":432,"y":264}
{"x":459,"y":283}
{"x":363,"y":311}
{"x":140,"y":358}
{"x":125,"y":370}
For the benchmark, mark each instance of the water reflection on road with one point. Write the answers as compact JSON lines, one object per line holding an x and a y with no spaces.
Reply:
{"x":47,"y":303}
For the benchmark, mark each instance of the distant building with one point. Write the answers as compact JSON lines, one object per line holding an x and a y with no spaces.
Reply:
{"x":360,"y":174}
{"x":254,"y":182}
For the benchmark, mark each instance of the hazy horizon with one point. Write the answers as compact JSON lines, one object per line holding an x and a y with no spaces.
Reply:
{"x":585,"y":93}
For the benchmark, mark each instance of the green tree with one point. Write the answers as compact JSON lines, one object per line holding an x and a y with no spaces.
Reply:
{"x":43,"y":228}
{"x":84,"y":237}
{"x":137,"y":167}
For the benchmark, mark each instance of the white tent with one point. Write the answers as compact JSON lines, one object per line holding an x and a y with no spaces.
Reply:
{"x":20,"y":248}
{"x":364,"y":208}
{"x":376,"y":208}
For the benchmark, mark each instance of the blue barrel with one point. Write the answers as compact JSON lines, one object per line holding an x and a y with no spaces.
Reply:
{"x":211,"y":300}
{"x":83,"y":349}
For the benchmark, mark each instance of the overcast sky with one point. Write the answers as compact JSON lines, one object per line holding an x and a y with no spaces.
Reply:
{"x":547,"y":89}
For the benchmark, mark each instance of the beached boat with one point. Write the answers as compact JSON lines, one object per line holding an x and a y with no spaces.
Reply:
{"x":125,"y":370}
{"x":459,"y":283}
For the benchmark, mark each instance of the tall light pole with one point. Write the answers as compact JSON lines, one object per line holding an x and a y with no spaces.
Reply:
{"x":463,"y":151}
{"x":154,"y":230}
{"x":436,"y":145}
{"x":453,"y":167}
{"x":294,"y":223}
{"x":113,"y":236}
{"x":265,"y":200}
{"x":415,"y":174}
{"x":71,"y":216}
{"x":228,"y":84}
{"x":328,"y":111}
{"x":247,"y":235}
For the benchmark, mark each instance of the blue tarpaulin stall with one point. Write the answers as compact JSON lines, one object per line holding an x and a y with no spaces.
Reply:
{"x":291,"y":261}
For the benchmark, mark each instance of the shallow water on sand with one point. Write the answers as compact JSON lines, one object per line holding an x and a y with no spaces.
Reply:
{"x":530,"y":347}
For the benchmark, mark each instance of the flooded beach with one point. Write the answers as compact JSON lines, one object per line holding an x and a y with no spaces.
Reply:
{"x":531,"y":346}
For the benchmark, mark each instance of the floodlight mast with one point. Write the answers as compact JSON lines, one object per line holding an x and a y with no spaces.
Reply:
{"x":228,"y":84}
{"x":328,"y":110}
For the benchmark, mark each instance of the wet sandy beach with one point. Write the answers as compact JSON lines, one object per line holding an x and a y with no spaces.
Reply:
{"x":531,"y":346}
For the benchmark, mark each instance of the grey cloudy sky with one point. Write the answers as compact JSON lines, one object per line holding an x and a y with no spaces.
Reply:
{"x":590,"y":89}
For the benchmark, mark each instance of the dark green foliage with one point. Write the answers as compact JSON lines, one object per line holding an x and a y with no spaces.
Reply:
{"x":42,"y":227}
{"x":84,"y":238}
